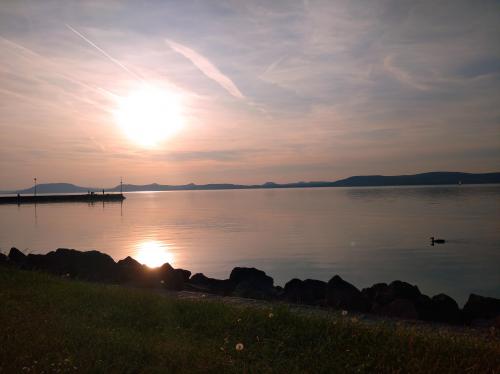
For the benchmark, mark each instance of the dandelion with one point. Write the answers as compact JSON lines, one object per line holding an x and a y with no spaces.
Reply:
{"x":271,"y":315}
{"x":239,"y":347}
{"x":344,"y":312}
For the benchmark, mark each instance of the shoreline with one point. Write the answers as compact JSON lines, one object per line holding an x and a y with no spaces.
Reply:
{"x":397,"y":299}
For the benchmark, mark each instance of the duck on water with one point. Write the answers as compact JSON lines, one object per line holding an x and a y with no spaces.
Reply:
{"x":437,"y":241}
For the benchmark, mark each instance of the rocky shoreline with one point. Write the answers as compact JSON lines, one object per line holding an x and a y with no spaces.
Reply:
{"x":397,"y":299}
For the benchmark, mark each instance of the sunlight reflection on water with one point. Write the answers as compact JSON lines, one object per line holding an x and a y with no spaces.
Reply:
{"x":153,"y":253}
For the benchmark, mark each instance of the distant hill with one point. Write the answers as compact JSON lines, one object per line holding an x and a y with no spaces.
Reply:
{"x":55,"y":188}
{"x":433,"y":178}
{"x":429,"y":179}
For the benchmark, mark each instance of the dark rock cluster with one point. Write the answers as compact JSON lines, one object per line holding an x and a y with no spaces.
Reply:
{"x":397,"y":299}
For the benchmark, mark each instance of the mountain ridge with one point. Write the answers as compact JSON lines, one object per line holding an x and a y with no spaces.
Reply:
{"x":421,"y":179}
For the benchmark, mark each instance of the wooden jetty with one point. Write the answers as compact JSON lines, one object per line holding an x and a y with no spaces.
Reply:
{"x":80,"y":198}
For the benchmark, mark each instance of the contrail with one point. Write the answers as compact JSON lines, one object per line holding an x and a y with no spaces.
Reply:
{"x":104,"y":52}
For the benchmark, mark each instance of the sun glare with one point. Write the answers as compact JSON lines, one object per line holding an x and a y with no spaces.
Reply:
{"x":153,"y":253}
{"x":149,"y":115}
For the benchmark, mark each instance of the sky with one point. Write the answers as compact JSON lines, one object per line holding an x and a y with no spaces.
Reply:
{"x":246,"y":91}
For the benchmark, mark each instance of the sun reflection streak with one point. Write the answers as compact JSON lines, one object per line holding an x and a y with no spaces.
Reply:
{"x":153,"y":253}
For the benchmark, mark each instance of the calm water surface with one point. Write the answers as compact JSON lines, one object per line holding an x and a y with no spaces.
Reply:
{"x":365,"y":235}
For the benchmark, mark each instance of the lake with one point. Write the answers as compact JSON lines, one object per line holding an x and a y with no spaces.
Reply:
{"x":366,"y":235}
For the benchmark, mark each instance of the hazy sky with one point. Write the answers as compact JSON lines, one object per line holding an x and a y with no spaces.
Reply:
{"x":266,"y":90}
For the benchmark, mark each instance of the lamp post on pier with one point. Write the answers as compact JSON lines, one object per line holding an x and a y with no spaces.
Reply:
{"x":35,"y":185}
{"x":121,"y":186}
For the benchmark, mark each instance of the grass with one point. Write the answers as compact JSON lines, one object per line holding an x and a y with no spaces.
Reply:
{"x":48,"y":324}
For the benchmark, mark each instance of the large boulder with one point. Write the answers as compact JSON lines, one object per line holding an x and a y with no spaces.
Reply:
{"x":200,"y":282}
{"x":133,"y":272}
{"x":173,"y":279}
{"x":343,"y":295}
{"x":403,"y":290}
{"x":252,"y":283}
{"x":399,"y":308}
{"x":252,"y":276}
{"x":481,"y":308}
{"x":445,"y":309}
{"x":310,"y":291}
{"x":3,"y":259}
{"x":90,"y":265}
{"x":382,"y":294}
{"x":17,"y":257}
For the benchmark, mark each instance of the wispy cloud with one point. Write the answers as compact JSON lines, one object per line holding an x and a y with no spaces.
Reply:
{"x":206,"y":67}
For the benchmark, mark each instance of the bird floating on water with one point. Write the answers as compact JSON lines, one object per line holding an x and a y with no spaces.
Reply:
{"x":437,"y":241}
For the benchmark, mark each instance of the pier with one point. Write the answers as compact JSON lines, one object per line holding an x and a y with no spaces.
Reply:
{"x":80,"y":198}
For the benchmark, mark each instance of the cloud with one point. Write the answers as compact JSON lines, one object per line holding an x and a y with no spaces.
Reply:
{"x":402,"y":75}
{"x":206,"y":67}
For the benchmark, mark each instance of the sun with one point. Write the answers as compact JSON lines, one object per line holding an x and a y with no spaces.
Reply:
{"x":149,"y":115}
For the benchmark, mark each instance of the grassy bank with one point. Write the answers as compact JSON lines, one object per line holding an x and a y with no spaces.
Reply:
{"x":50,"y":324}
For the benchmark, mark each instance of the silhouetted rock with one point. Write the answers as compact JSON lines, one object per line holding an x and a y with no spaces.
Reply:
{"x":131,"y":271}
{"x":251,"y":275}
{"x":252,"y":283}
{"x":173,"y":279}
{"x":425,"y":308}
{"x":3,"y":259}
{"x":376,"y":294}
{"x":199,"y":282}
{"x":16,"y":256}
{"x":399,"y":308}
{"x":381,"y":294}
{"x":253,"y":291}
{"x":91,"y":265}
{"x":403,"y":290}
{"x":481,"y":308}
{"x":128,"y":264}
{"x":310,"y":291}
{"x":445,"y":309}
{"x":343,"y":295}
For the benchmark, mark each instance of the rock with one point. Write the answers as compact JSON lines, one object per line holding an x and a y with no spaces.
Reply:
{"x":343,"y":295}
{"x":16,"y":256}
{"x":131,"y":271}
{"x":403,"y":290}
{"x":445,"y":309}
{"x":252,"y":283}
{"x":3,"y":259}
{"x":252,"y":291}
{"x":251,"y":276}
{"x":310,"y":291}
{"x":382,"y":294}
{"x":173,"y":279}
{"x":399,"y":308}
{"x":375,"y":293}
{"x":199,"y":282}
{"x":91,"y":265}
{"x":425,"y":308}
{"x":481,"y":308}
